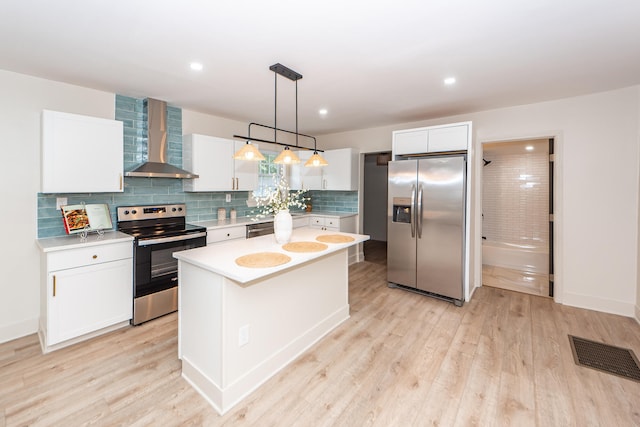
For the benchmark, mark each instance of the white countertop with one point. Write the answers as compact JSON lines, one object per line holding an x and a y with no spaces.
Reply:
{"x":220,"y":258}
{"x":224,"y":223}
{"x":73,"y":241}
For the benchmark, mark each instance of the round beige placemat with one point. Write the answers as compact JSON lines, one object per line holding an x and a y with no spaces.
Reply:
{"x":304,"y":247}
{"x":334,"y":238}
{"x":262,"y":260}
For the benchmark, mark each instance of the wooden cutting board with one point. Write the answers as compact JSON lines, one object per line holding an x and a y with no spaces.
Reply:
{"x":304,"y":247}
{"x":262,"y":260}
{"x":334,"y":238}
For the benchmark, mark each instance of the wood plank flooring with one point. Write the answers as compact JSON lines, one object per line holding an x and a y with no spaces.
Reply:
{"x":400,"y":360}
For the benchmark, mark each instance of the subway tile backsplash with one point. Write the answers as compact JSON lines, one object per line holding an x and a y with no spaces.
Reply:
{"x":138,"y":191}
{"x":515,"y":198}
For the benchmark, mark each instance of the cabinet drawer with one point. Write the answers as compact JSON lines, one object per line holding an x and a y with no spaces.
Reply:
{"x":316,"y":221}
{"x":71,"y":258}
{"x":223,"y":234}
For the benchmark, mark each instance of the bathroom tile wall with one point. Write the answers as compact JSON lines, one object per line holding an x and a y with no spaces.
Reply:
{"x":515,"y":197}
{"x":200,"y":206}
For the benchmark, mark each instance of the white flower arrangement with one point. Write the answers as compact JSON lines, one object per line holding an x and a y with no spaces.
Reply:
{"x":279,"y":198}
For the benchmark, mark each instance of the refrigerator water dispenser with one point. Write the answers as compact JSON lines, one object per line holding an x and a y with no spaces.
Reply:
{"x":402,"y":210}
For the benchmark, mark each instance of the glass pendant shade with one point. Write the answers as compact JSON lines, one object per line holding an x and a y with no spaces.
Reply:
{"x":286,"y":157}
{"x":248,"y":152}
{"x":316,"y":161}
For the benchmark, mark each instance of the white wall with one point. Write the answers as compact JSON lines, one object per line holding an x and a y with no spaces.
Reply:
{"x":23,"y":98}
{"x":597,"y":187}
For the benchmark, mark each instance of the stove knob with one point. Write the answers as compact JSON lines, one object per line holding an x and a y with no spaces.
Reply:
{"x":126,"y":212}
{"x":180,"y":209}
{"x":133,"y":212}
{"x":173,"y":209}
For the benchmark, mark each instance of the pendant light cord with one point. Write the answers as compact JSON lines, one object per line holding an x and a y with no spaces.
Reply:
{"x":275,"y":108}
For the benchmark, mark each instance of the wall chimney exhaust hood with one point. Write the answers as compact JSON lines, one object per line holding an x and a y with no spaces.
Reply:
{"x":157,"y":166}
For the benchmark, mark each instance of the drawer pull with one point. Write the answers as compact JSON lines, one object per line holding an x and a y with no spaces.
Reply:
{"x":54,"y":285}
{"x":95,"y":257}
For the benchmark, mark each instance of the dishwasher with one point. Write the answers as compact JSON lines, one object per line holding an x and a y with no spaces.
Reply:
{"x":259,"y":229}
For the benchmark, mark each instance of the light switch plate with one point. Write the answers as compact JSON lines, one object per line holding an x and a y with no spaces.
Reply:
{"x":228,"y":198}
{"x":60,"y":201}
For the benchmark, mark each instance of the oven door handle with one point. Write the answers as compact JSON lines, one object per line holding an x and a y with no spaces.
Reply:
{"x":148,"y":242}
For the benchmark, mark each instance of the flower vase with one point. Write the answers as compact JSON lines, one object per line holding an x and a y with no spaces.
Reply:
{"x":283,"y":226}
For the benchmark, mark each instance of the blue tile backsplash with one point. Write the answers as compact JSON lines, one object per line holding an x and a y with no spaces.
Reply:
{"x":142,"y":191}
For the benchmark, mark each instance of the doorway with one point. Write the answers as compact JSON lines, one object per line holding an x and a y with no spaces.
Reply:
{"x":375,"y":206}
{"x":517,"y":216}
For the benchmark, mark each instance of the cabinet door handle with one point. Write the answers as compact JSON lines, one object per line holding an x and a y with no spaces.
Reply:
{"x":237,"y":183}
{"x":54,"y":285}
{"x":120,"y":181}
{"x":233,"y":183}
{"x":95,"y":257}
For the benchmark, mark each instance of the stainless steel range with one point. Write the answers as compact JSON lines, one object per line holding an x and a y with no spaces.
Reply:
{"x":158,"y":231}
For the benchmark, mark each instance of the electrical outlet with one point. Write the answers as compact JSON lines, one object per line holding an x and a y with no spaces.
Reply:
{"x":243,"y":335}
{"x":60,"y":201}
{"x":228,"y":198}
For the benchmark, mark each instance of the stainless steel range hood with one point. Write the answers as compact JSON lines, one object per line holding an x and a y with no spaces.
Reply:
{"x":157,"y":166}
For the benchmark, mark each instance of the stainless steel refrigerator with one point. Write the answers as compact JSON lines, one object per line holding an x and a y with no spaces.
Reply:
{"x":426,"y":226}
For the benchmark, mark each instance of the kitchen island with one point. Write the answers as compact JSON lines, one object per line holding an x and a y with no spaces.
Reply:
{"x":239,"y":325}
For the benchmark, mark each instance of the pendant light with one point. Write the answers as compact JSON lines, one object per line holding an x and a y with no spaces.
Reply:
{"x":248,"y":152}
{"x":287,"y":156}
{"x":316,"y":160}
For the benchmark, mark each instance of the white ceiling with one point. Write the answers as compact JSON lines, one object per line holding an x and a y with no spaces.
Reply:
{"x":369,"y":62}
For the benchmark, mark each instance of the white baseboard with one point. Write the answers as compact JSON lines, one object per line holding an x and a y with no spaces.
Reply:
{"x":18,"y":330}
{"x":224,"y":399}
{"x":621,"y":308}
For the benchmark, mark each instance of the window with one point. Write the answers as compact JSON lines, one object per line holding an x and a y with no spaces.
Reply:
{"x":269,"y":173}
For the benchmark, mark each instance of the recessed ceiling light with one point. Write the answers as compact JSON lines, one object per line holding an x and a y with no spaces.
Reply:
{"x":529,"y":148}
{"x":196,"y":66}
{"x":449,"y":80}
{"x":323,"y":111}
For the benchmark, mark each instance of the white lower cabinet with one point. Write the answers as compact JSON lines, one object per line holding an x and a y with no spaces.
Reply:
{"x":346,"y":224}
{"x":217,"y":235}
{"x":85,"y":290}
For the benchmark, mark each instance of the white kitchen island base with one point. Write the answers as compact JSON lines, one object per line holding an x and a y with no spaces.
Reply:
{"x":234,"y":336}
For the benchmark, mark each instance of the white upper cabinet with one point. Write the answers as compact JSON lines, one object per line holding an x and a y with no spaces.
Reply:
{"x":81,"y":154}
{"x":448,"y":138}
{"x":435,"y":139}
{"x":341,"y":174}
{"x":410,"y":141}
{"x":303,"y":177}
{"x":212,"y":159}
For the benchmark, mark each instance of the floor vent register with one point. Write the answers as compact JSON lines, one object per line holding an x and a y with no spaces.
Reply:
{"x":606,"y":358}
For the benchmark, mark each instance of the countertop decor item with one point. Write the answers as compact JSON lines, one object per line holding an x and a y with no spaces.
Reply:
{"x":304,"y":247}
{"x":334,"y":238}
{"x":279,"y":198}
{"x":262,"y":260}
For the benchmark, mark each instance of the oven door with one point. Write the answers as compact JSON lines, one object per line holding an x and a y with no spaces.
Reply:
{"x":155,"y":268}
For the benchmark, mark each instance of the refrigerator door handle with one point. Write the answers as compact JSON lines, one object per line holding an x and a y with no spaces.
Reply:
{"x":413,"y":209}
{"x":419,"y":213}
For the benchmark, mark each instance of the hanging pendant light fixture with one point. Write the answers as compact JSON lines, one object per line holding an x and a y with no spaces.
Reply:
{"x":287,"y":156}
{"x":248,"y":152}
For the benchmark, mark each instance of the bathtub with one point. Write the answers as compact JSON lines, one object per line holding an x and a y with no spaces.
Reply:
{"x":516,"y":257}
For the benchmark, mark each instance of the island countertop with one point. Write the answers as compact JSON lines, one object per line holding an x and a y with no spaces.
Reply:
{"x":221,"y":258}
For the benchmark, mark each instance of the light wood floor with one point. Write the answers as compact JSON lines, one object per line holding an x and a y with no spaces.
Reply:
{"x":400,"y":360}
